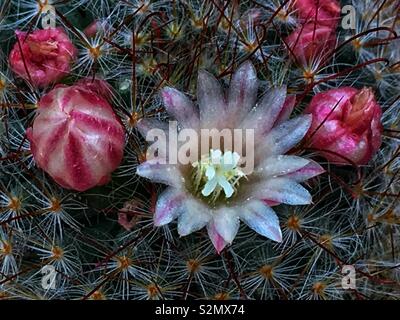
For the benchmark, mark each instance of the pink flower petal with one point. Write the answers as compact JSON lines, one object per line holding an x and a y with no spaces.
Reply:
{"x":284,"y":137}
{"x":180,"y":107}
{"x":309,"y":171}
{"x":264,"y":116}
{"x":161,"y":173}
{"x":262,"y":220}
{"x":169,"y":206}
{"x":325,"y":12}
{"x":226,"y":222}
{"x":210,"y":98}
{"x":286,"y":109}
{"x":280,"y":165}
{"x":98,"y":86}
{"x":281,"y":190}
{"x":216,"y":239}
{"x":194,"y":217}
{"x":310,"y":43}
{"x":242,"y":92}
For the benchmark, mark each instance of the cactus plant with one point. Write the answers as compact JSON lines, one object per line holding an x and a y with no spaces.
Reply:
{"x":82,"y":81}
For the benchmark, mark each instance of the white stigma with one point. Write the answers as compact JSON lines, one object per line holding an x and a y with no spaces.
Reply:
{"x":219,"y":171}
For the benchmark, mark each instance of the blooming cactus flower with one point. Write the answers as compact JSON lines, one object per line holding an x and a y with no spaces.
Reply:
{"x":42,"y":57}
{"x":76,"y":137}
{"x":215,"y":190}
{"x":346,"y":121}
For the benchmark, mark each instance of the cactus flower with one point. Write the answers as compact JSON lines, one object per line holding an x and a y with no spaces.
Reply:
{"x":42,"y":57}
{"x":309,"y":41}
{"x":95,"y":27}
{"x":316,"y":31}
{"x":347,"y":122}
{"x":76,"y":137}
{"x":215,"y":191}
{"x":324,"y":12}
{"x":91,"y":30}
{"x":98,"y":86}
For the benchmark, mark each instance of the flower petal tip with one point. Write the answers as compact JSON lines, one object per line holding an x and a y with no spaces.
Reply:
{"x":248,"y":68}
{"x":274,"y":233}
{"x":307,"y":118}
{"x":204,"y":76}
{"x":166,"y":93}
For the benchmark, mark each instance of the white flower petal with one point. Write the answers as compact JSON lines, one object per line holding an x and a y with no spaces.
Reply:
{"x":262,"y":219}
{"x":180,"y":107}
{"x":195,"y":216}
{"x":226,"y":186}
{"x":226,"y":222}
{"x":236,"y":158}
{"x":287,"y":109}
{"x":228,"y":161}
{"x":284,"y":137}
{"x":169,"y":206}
{"x":146,"y":124}
{"x":263,"y":117}
{"x":209,"y":187}
{"x":279,"y":165}
{"x":161,"y":173}
{"x":281,"y":190}
{"x":228,"y":157}
{"x":311,"y":170}
{"x":211,"y":101}
{"x":216,"y":156}
{"x":210,"y":172}
{"x":242,"y":92}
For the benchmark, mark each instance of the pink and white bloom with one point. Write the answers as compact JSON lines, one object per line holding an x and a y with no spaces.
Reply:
{"x":347,"y":122}
{"x":214,"y":192}
{"x":42,"y":57}
{"x":76,"y":137}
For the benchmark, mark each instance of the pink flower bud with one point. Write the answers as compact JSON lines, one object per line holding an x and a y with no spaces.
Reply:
{"x":310,"y":40}
{"x":91,"y":30}
{"x":347,"y":122}
{"x":98,"y":86}
{"x":323,"y":12}
{"x":42,"y":57}
{"x":129,"y":215}
{"x":76,"y":137}
{"x":95,"y":27}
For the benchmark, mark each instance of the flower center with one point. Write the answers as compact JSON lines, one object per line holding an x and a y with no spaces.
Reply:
{"x":95,"y":52}
{"x":43,"y":48}
{"x":216,"y":173}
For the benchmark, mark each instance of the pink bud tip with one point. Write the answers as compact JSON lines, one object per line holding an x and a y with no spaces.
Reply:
{"x":42,"y":57}
{"x":346,"y":124}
